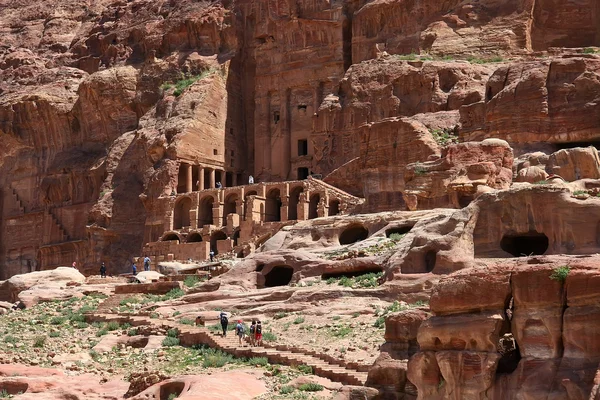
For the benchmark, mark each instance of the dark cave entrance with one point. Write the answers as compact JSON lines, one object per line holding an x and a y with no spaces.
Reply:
{"x":353,"y":234}
{"x":279,"y":276}
{"x":525,"y":244}
{"x":430,"y":259}
{"x":399,"y":230}
{"x":352,"y":274}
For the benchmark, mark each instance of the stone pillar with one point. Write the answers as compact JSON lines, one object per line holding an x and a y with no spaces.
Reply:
{"x":201,"y":178}
{"x":284,"y":210}
{"x":218,"y":214}
{"x":188,"y":178}
{"x":212,"y":179}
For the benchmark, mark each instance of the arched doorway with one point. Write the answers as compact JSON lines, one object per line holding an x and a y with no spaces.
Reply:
{"x":229,"y":207}
{"x":525,"y":244}
{"x":205,"y":216}
{"x":194,"y":237}
{"x":169,"y":237}
{"x":293,"y":204}
{"x":279,"y":276}
{"x":214,"y":238}
{"x":334,"y":207}
{"x":313,"y":206}
{"x":181,"y":214}
{"x":273,"y":206}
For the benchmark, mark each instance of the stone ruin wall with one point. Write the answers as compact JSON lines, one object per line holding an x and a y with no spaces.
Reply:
{"x":91,"y":139}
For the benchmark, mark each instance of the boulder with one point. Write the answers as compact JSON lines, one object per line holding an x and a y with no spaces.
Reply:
{"x":60,"y":276}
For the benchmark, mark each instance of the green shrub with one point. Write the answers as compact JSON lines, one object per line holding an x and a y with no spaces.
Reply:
{"x":113,"y":326}
{"x":154,"y":315}
{"x":176,"y":313}
{"x":279,"y":315}
{"x":58,"y":320}
{"x":286,"y":389}
{"x":299,"y":320}
{"x":10,"y":339}
{"x":191,"y":281}
{"x":269,"y":337}
{"x":77,"y":317}
{"x":342,"y":331}
{"x":81,"y":325}
{"x":394,"y":307}
{"x":258,"y":361}
{"x":172,"y":396}
{"x":128,"y":301}
{"x":170,"y":341}
{"x":589,"y":50}
{"x":305,"y":369}
{"x":173,"y":333}
{"x":215,"y":358}
{"x":54,"y":334}
{"x":86,"y":309}
{"x":356,"y":315}
{"x":542,"y":182}
{"x":336,"y":317}
{"x":132,"y":332}
{"x":396,"y":237}
{"x":39,"y":341}
{"x":420,"y":170}
{"x":173,"y":294}
{"x":310,"y":387}
{"x":444,"y":136}
{"x":579,"y":192}
{"x":406,"y":57}
{"x":102,"y":332}
{"x":187,"y":321}
{"x":560,"y":273}
{"x":95,"y":355}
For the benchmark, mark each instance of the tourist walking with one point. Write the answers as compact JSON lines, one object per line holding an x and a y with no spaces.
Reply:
{"x":133,"y":269}
{"x":103,"y":271}
{"x":250,"y":180}
{"x":224,"y":322}
{"x":146,"y":263}
{"x":211,"y":254}
{"x":252,"y":333}
{"x":239,"y":331}
{"x":258,"y":339}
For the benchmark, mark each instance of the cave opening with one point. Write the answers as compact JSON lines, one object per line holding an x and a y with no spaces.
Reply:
{"x":524,"y":244}
{"x":510,"y":354}
{"x":171,"y":390}
{"x":279,"y":276}
{"x":430,"y":259}
{"x":398,"y":230}
{"x":353,"y":234}
{"x":572,"y":145}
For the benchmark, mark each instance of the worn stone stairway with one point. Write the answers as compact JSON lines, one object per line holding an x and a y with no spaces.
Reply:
{"x":322,"y":365}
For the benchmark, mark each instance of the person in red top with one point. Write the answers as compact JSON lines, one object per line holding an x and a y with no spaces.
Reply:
{"x":258,"y":334}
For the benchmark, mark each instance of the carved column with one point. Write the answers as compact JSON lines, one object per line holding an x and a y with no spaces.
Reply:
{"x":188,"y":178}
{"x":200,"y":178}
{"x":212,"y":179}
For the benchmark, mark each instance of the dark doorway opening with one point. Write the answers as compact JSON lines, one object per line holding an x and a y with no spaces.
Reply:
{"x":206,"y":211}
{"x":182,"y":178}
{"x":230,"y":206}
{"x":430,"y":258}
{"x":302,"y":173}
{"x":510,"y":355}
{"x":313,"y":211}
{"x":214,"y":238}
{"x":206,"y":179}
{"x":353,"y":234}
{"x":293,"y":203}
{"x":302,"y":147}
{"x":218,"y":177}
{"x":273,"y":206}
{"x":279,"y":276}
{"x":398,"y":230}
{"x":228,"y":179}
{"x":525,"y":244}
{"x":172,"y":388}
{"x":181,"y":213}
{"x":334,"y":207}
{"x":170,"y":236}
{"x":194,"y":238}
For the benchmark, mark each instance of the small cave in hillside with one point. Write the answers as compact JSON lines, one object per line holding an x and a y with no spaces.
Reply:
{"x":352,"y":274}
{"x":398,"y":230}
{"x":279,"y":276}
{"x":138,"y":343}
{"x":172,"y":388}
{"x":572,"y":145}
{"x":430,"y":259}
{"x":525,"y":244}
{"x":260,"y":267}
{"x":353,"y":234}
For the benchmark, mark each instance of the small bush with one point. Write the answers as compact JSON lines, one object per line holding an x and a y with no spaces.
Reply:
{"x":113,"y":326}
{"x":81,"y":325}
{"x":186,"y":321}
{"x":396,"y":237}
{"x":305,"y":369}
{"x":95,"y":355}
{"x":102,"y":332}
{"x":132,"y":332}
{"x":173,"y":294}
{"x":215,"y":358}
{"x":299,"y":320}
{"x":420,"y":170}
{"x":258,"y":361}
{"x":336,"y":317}
{"x":77,"y":317}
{"x":286,"y":389}
{"x":154,"y":315}
{"x":39,"y":341}
{"x":191,"y":281}
{"x":342,"y":331}
{"x":310,"y":387}
{"x":356,"y":315}
{"x":444,"y":136}
{"x":54,"y":334}
{"x":406,"y":57}
{"x":269,"y":337}
{"x":589,"y":50}
{"x":58,"y":320}
{"x":173,"y":332}
{"x":542,"y":182}
{"x":279,"y":315}
{"x":170,"y":341}
{"x":560,"y":273}
{"x":10,"y":339}
{"x":172,"y":396}
{"x":176,"y":313}
{"x":579,"y":192}
{"x":86,"y":309}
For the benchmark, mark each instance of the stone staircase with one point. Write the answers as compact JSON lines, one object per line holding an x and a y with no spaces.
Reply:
{"x":61,"y":229}
{"x":17,"y":200}
{"x":322,"y":365}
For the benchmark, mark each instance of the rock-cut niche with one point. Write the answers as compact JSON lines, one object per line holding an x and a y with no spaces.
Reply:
{"x":353,"y":234}
{"x":524,"y":244}
{"x":279,"y":276}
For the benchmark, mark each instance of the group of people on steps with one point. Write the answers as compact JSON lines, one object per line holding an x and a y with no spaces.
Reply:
{"x":240,"y":330}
